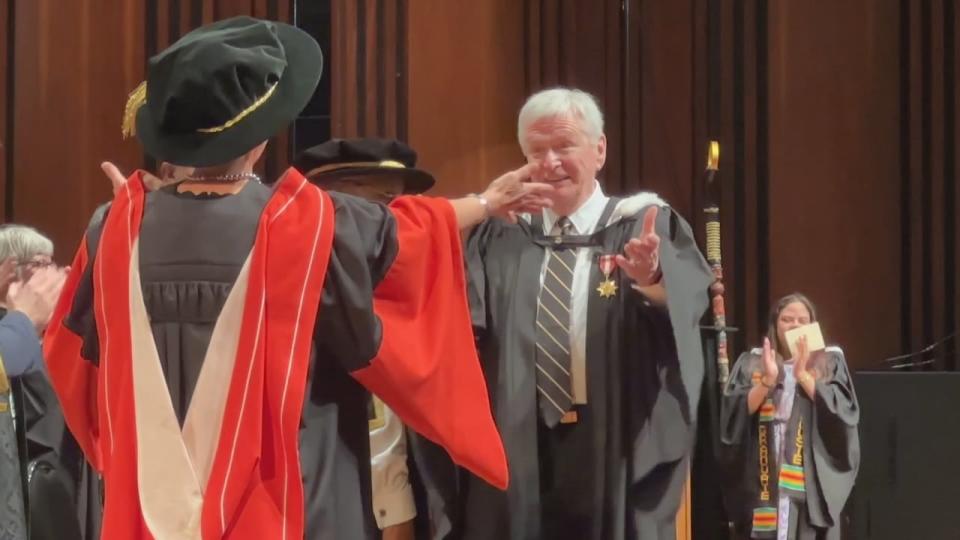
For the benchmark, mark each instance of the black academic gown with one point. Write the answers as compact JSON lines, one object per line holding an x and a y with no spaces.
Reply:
{"x":618,"y":472}
{"x":831,"y":456}
{"x":62,"y":500}
{"x":186,"y":280}
{"x":63,"y":490}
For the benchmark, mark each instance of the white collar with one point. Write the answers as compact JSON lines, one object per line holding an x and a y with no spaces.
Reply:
{"x":585,"y":218}
{"x":634,"y":203}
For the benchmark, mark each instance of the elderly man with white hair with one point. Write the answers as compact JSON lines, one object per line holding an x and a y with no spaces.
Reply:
{"x":586,"y":317}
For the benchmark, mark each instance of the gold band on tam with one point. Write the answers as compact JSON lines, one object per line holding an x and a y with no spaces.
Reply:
{"x":387,"y":164}
{"x":138,"y":97}
{"x":135,"y":100}
{"x":243,"y":114}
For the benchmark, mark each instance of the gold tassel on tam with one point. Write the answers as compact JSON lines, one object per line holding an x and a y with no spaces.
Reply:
{"x":136,"y":100}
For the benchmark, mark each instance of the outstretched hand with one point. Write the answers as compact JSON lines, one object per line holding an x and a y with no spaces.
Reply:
{"x":514,"y":193}
{"x":640,"y":260}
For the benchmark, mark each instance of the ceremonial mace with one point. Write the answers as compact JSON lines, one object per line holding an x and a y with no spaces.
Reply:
{"x":711,"y":212}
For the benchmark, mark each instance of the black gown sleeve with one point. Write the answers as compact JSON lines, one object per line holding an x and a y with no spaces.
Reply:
{"x":364,"y":247}
{"x":676,"y":385}
{"x":81,"y":319}
{"x":665,"y":395}
{"x":735,"y":418}
{"x":335,"y":441}
{"x":836,"y":441}
{"x":475,"y":255}
{"x":395,"y":316}
{"x":738,"y":450}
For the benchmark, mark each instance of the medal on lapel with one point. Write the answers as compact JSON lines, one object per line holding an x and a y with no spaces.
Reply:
{"x":607,"y":287}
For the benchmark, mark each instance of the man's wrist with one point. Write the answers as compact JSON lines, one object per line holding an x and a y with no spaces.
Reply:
{"x":655,"y":279}
{"x":657,"y":276}
{"x":484,"y":201}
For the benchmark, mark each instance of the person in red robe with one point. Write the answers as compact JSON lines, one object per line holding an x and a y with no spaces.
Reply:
{"x":216,"y":337}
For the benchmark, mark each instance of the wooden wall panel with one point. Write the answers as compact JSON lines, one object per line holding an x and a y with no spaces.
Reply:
{"x":230,"y":8}
{"x":642,"y":73}
{"x":912,"y":152}
{"x":71,"y":81}
{"x":584,"y":44}
{"x":368,"y":68}
{"x":837,"y":124}
{"x":343,"y":57}
{"x":727,"y":100}
{"x":842,"y":109}
{"x":927,"y":235}
{"x":834,"y":169}
{"x":885,"y":129}
{"x":463,"y":99}
{"x":73,"y":65}
{"x":6,"y":147}
{"x":665,"y":101}
{"x":748,"y":233}
{"x":817,"y":106}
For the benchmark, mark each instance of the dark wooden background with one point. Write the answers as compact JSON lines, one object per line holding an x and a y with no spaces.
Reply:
{"x":837,"y":122}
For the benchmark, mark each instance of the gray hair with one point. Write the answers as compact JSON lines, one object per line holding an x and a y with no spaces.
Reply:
{"x":23,"y":243}
{"x":562,"y":101}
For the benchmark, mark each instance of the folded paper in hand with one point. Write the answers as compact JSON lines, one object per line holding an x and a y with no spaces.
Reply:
{"x":811,"y":331}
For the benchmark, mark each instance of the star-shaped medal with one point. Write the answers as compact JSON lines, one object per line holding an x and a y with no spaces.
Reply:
{"x":607,"y":288}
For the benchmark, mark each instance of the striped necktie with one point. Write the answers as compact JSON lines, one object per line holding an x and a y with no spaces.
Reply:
{"x":553,"y":331}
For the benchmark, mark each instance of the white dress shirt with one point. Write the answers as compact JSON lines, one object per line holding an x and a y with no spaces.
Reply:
{"x":392,"y":495}
{"x":584,"y":221}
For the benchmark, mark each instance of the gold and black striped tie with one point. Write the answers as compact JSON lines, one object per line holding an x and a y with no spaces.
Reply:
{"x":553,"y":332}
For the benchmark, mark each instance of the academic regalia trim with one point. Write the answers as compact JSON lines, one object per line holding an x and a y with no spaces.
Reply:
{"x":450,"y":401}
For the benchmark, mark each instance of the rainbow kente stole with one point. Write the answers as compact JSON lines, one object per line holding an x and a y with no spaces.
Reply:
{"x":790,"y":476}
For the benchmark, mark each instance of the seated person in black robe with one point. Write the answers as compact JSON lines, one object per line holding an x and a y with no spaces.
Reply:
{"x":789,"y":432}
